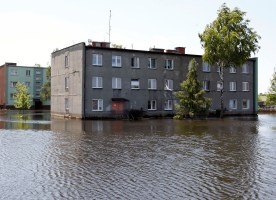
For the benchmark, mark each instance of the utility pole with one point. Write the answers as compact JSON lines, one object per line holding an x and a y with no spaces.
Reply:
{"x":109,"y":28}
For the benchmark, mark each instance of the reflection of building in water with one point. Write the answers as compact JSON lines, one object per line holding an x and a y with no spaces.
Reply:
{"x":31,"y":76}
{"x":98,"y":81}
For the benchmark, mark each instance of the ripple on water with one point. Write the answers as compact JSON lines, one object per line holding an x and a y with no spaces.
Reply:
{"x":201,"y":160}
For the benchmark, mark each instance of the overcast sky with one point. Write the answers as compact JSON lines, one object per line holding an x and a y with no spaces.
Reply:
{"x":32,"y":29}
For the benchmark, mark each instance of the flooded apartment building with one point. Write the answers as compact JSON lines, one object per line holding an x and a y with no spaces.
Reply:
{"x":97,"y":81}
{"x":31,"y":76}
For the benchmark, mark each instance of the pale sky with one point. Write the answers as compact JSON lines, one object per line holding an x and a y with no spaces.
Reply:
{"x":32,"y":29}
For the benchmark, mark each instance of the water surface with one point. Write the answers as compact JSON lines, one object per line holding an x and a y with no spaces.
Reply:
{"x":43,"y":158}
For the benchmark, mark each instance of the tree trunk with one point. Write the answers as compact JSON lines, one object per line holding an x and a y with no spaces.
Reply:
{"x":221,"y":90}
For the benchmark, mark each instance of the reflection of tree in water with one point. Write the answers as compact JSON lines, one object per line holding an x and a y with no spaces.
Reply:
{"x":230,"y":149}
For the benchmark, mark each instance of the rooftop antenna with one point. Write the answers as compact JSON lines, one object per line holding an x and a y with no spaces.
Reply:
{"x":109,"y":27}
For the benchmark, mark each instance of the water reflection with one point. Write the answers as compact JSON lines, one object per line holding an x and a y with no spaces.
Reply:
{"x":232,"y":158}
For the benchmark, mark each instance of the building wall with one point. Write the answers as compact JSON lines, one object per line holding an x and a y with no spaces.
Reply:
{"x":32,"y":77}
{"x":67,"y":63}
{"x":2,"y":85}
{"x":138,"y":98}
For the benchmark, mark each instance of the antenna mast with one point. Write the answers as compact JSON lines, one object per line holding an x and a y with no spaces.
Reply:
{"x":109,"y":30}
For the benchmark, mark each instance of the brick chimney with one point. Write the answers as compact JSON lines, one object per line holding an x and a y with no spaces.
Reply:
{"x":180,"y":50}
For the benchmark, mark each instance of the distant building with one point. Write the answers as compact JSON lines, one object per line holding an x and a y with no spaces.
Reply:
{"x":98,"y":81}
{"x":32,"y":77}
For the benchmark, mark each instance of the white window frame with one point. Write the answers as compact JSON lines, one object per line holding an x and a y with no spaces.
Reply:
{"x":98,"y":105}
{"x":169,"y":64}
{"x":247,"y":103}
{"x":28,"y":72}
{"x":14,"y":72}
{"x":245,"y":68}
{"x":135,"y":62}
{"x":232,"y":70}
{"x":233,"y":86}
{"x":13,"y":83}
{"x":97,"y":59}
{"x":28,"y":83}
{"x":97,"y":82}
{"x":135,"y":84}
{"x":168,"y":104}
{"x":152,"y":84}
{"x":206,"y":85}
{"x":12,"y":95}
{"x":66,"y":61}
{"x":152,"y":63}
{"x":206,"y":67}
{"x":168,"y":84}
{"x":152,"y":105}
{"x":66,"y":82}
{"x":233,"y":104}
{"x":219,"y":85}
{"x":116,"y":83}
{"x":116,"y":61}
{"x":245,"y":86}
{"x":66,"y":103}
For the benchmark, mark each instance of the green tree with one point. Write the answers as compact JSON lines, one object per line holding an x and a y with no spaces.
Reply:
{"x":191,"y":96}
{"x":271,"y":97}
{"x":45,"y":92}
{"x":22,"y":99}
{"x":228,"y":42}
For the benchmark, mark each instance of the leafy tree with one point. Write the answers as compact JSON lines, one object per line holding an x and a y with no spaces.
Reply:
{"x":22,"y":99}
{"x":271,"y":97}
{"x":191,"y":96}
{"x":228,"y":42}
{"x":45,"y":92}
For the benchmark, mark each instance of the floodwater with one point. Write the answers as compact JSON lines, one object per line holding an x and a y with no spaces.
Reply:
{"x":44,"y":158}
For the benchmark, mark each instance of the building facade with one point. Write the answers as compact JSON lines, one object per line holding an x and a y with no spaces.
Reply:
{"x":96,"y":81}
{"x":32,"y":77}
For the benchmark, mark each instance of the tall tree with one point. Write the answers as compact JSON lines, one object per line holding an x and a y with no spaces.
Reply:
{"x":22,"y":98}
{"x":45,"y":92}
{"x":228,"y":42}
{"x":271,"y":97}
{"x":191,"y":96}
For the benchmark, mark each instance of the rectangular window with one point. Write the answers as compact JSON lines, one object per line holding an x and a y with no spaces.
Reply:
{"x":219,"y":86}
{"x":205,"y":67}
{"x":97,"y":105}
{"x":11,"y":95}
{"x":232,"y":70}
{"x":245,"y":86}
{"x":233,"y":86}
{"x":152,"y":105}
{"x":66,"y":61}
{"x":168,"y":84}
{"x":135,"y":84}
{"x":169,"y":64}
{"x":245,"y":104}
{"x":152,"y":84}
{"x":13,"y":83}
{"x":245,"y":68}
{"x":97,"y":82}
{"x":97,"y":59}
{"x":28,"y":72}
{"x":28,"y":84}
{"x":116,"y":83}
{"x":152,"y":63}
{"x":37,"y":72}
{"x":66,"y":82}
{"x":116,"y":61}
{"x":206,"y":85}
{"x":233,"y":104}
{"x":14,"y":72}
{"x":66,"y":104}
{"x":168,"y":105}
{"x":135,"y":62}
